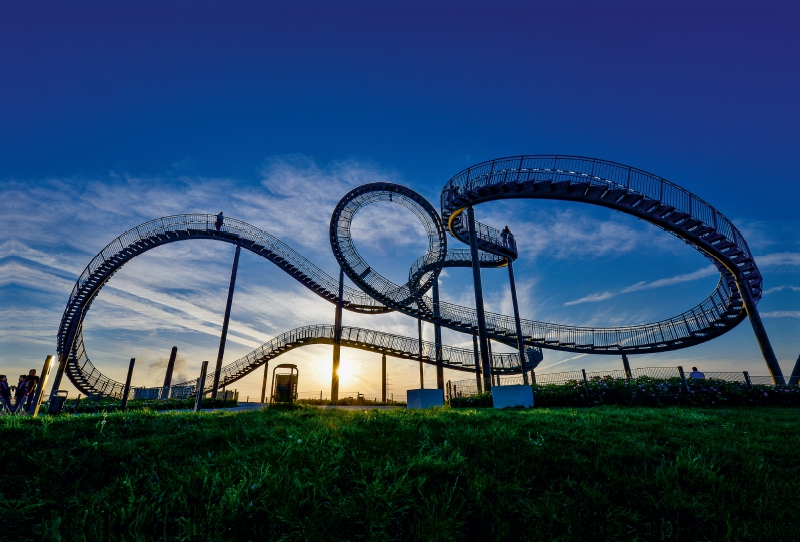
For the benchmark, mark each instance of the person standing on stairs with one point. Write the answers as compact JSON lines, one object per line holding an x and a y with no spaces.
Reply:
{"x":220,"y":220}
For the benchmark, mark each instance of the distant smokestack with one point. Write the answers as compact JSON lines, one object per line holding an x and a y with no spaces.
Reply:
{"x":170,"y":367}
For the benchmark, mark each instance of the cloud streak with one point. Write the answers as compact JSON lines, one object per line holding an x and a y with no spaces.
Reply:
{"x":646,"y":285}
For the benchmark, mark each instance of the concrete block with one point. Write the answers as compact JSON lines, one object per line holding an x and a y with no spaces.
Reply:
{"x":425,"y":398}
{"x":512,"y":396}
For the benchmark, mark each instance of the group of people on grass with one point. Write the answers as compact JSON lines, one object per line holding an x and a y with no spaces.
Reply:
{"x":22,"y":393}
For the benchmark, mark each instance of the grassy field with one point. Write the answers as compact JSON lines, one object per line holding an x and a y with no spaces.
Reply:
{"x":606,"y":473}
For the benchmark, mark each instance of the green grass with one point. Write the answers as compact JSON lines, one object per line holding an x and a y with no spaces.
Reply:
{"x":108,"y":405}
{"x":606,"y":473}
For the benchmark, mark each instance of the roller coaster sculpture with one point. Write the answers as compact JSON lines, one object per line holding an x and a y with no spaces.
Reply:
{"x":570,"y":178}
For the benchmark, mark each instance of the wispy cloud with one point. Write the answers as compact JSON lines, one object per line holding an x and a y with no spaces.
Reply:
{"x":781,"y":314}
{"x":646,"y":285}
{"x":779,"y":259}
{"x":782,"y":288}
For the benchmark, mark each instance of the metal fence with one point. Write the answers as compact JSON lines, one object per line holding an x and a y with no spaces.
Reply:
{"x":354,"y":395}
{"x":468,"y":388}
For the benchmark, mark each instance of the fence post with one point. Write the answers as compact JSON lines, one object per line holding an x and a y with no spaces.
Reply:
{"x":747,"y":379}
{"x":201,"y":384}
{"x":127,"y":388}
{"x":684,"y":384}
{"x":585,"y":382}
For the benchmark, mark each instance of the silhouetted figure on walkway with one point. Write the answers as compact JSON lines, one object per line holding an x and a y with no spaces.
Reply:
{"x":506,"y":236}
{"x":33,"y":383}
{"x":20,"y":394}
{"x":220,"y":219}
{"x":5,"y":393}
{"x":696,"y":374}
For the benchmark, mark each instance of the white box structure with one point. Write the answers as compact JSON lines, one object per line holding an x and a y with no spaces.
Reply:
{"x":512,"y":396}
{"x":423,"y":398}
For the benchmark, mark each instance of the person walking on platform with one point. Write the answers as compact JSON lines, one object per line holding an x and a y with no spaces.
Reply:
{"x":506,"y":236}
{"x":20,"y":394}
{"x":5,"y":394}
{"x":220,"y":220}
{"x":33,"y":383}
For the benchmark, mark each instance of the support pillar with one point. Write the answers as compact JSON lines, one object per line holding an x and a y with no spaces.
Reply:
{"x":437,"y":332}
{"x":517,"y":322}
{"x":758,"y":328}
{"x":483,"y":336}
{"x":38,"y":393}
{"x":421,"y":368}
{"x":168,"y":375}
{"x":337,"y":339}
{"x":224,"y":336}
{"x":477,"y":363}
{"x":794,"y":378}
{"x":64,"y":356}
{"x":264,"y":384}
{"x":201,"y":386}
{"x":383,"y":378}
{"x":127,"y":390}
{"x":170,"y":367}
{"x":627,"y":367}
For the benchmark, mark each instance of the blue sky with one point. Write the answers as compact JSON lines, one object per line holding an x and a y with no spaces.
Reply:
{"x":112,"y":114}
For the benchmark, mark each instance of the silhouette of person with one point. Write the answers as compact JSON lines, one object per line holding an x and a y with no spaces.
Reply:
{"x":504,"y":235}
{"x":5,"y":393}
{"x":33,"y":383}
{"x":220,"y":219}
{"x":21,"y":393}
{"x":696,"y":374}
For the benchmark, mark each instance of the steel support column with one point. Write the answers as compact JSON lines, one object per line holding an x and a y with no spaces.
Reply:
{"x":127,"y":390}
{"x":794,"y":378}
{"x":225,"y":322}
{"x":761,"y":333}
{"x":168,"y":375}
{"x":337,"y":339}
{"x":201,"y":385}
{"x":483,"y":336}
{"x":264,"y":384}
{"x":170,"y":367}
{"x":383,"y":378}
{"x":437,"y":332}
{"x":520,"y":342}
{"x":64,"y":357}
{"x":627,"y":367}
{"x":421,"y":368}
{"x":477,"y":363}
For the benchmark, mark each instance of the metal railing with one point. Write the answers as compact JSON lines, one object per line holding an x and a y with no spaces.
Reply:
{"x":592,"y":171}
{"x":715,"y":314}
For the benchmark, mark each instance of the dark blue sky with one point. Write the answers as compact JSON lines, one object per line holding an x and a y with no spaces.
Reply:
{"x":113,"y":113}
{"x":704,"y":94}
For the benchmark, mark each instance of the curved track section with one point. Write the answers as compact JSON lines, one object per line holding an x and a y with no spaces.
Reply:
{"x":398,"y":346}
{"x":720,"y":312}
{"x":89,"y":380}
{"x":634,"y":192}
{"x":171,"y":229}
{"x":615,"y":186}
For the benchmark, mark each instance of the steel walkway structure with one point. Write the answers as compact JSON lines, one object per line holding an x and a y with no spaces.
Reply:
{"x":586,"y":180}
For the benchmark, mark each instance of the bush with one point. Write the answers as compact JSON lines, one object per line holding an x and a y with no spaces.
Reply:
{"x":649,"y":392}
